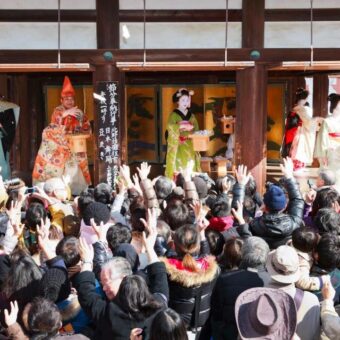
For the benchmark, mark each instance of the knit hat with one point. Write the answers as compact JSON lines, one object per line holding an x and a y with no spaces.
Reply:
{"x":275,"y":198}
{"x":55,"y":285}
{"x":201,"y":187}
{"x":283,"y":265}
{"x":98,"y":211}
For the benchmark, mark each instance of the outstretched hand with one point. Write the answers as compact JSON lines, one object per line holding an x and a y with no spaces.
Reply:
{"x":11,"y":317}
{"x":86,"y":251}
{"x":242,"y":174}
{"x":238,"y":213}
{"x":287,"y":167}
{"x":144,"y":171}
{"x":187,"y":171}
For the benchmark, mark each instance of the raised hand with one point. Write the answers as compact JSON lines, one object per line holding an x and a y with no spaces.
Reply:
{"x":86,"y":251}
{"x":144,"y":171}
{"x":136,"y":184}
{"x":238,"y":213}
{"x":151,"y":226}
{"x":99,"y":230}
{"x":328,"y":292}
{"x":287,"y":167}
{"x":136,"y":334}
{"x":124,"y":171}
{"x":242,"y":174}
{"x":11,"y":317}
{"x":188,"y":170}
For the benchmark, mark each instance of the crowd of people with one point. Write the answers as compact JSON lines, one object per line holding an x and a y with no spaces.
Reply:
{"x":160,"y":259}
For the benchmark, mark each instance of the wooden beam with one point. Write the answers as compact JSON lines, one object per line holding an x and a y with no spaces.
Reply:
{"x":195,"y":15}
{"x":268,"y":55}
{"x":320,"y":95}
{"x":253,"y":23}
{"x":107,"y":24}
{"x":251,"y":121}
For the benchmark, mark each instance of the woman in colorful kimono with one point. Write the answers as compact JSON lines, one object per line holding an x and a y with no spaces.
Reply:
{"x":181,"y":124}
{"x":55,"y":159}
{"x":327,"y":148}
{"x":300,"y":132}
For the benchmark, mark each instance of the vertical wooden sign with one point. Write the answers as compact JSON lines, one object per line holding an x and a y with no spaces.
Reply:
{"x":108,"y":129}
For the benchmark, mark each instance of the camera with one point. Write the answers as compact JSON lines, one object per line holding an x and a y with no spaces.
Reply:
{"x":30,"y":190}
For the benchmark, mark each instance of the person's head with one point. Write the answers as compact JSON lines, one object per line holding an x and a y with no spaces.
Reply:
{"x":304,"y":239}
{"x":168,"y":325}
{"x":327,"y":252}
{"x":118,"y":234}
{"x":274,"y":199}
{"x":326,"y":177}
{"x":67,"y":94}
{"x":176,"y":214}
{"x":215,"y":240}
{"x":325,"y":198}
{"x":182,"y":98}
{"x":68,"y":249}
{"x":301,"y":96}
{"x":163,"y":187}
{"x":55,"y":187}
{"x":34,"y":214}
{"x":327,"y":220}
{"x":103,"y":193}
{"x":84,"y":199}
{"x":187,"y":245}
{"x":334,"y":100}
{"x":163,"y":230}
{"x":71,"y":225}
{"x":232,"y":254}
{"x":23,"y":274}
{"x":112,"y":274}
{"x":135,"y":298}
{"x":221,"y":208}
{"x":250,"y":188}
{"x":98,"y":211}
{"x":42,"y":318}
{"x":136,"y":215}
{"x":254,"y":252}
{"x":283,"y":265}
{"x":227,"y":181}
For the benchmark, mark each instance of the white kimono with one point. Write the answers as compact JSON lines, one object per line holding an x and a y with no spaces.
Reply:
{"x":304,"y":141}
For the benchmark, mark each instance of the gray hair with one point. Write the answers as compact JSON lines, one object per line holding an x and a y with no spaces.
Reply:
{"x":254,"y":252}
{"x":117,"y":267}
{"x":327,"y":176}
{"x":52,"y":184}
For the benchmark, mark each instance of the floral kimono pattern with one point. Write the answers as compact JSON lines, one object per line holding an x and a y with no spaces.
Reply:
{"x":179,"y":146}
{"x":54,"y":154}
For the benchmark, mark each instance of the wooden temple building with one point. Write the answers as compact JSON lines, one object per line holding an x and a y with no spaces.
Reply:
{"x":244,"y":58}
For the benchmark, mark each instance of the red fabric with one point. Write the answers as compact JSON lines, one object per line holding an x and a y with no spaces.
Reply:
{"x":68,"y":90}
{"x":290,"y":133}
{"x":297,"y":164}
{"x":201,"y":264}
{"x":334,"y":134}
{"x":221,"y":223}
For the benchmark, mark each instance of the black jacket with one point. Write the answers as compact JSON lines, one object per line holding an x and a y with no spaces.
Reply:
{"x":228,"y":287}
{"x":276,"y":228}
{"x":111,"y":321}
{"x":190,"y":293}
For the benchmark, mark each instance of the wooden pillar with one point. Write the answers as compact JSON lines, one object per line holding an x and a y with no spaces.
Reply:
{"x":107,"y":24}
{"x":3,"y":85}
{"x":251,"y":121}
{"x":253,"y":23}
{"x":103,"y":73}
{"x":320,"y":94}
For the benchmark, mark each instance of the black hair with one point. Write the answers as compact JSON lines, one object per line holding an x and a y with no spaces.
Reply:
{"x":215,"y":240}
{"x":23,"y":277}
{"x":135,"y":298}
{"x":300,"y":94}
{"x":34,"y":214}
{"x":168,"y":325}
{"x":328,"y":250}
{"x":43,"y":319}
{"x":327,"y":220}
{"x":163,"y":187}
{"x":334,"y":99}
{"x":304,"y":239}
{"x":118,"y":234}
{"x":68,"y":249}
{"x":176,"y":214}
{"x":178,"y":94}
{"x":103,"y":193}
{"x":221,"y":208}
{"x":136,"y":215}
{"x":325,"y":198}
{"x":232,"y":254}
{"x":13,"y":196}
{"x":85,"y":198}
